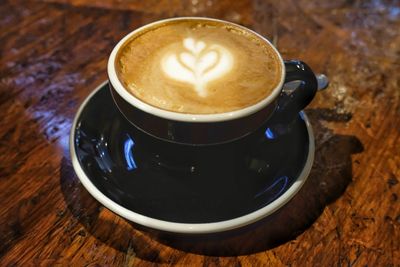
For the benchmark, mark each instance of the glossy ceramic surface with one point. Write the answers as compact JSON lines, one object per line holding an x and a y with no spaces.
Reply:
{"x":184,"y":184}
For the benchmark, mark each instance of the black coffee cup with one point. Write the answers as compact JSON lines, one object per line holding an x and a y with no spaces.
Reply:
{"x":277,"y":110}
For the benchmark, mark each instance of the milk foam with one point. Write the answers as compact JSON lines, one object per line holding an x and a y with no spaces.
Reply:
{"x":199,"y":64}
{"x":198,"y":67}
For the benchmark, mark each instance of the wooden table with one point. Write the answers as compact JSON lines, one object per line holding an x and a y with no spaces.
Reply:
{"x":54,"y":53}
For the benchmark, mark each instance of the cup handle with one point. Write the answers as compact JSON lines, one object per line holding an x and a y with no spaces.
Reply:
{"x":289,"y":105}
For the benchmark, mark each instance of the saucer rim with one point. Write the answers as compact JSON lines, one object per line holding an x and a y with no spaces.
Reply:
{"x":189,"y":228}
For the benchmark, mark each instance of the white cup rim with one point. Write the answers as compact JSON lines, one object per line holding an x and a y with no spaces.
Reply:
{"x":176,"y":116}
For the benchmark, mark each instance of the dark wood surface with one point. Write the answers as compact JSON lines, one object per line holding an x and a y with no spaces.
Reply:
{"x":54,"y":53}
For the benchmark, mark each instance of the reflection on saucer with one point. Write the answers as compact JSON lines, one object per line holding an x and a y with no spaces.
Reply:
{"x":176,"y":183}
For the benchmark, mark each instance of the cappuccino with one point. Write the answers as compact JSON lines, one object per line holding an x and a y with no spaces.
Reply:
{"x":198,"y":67}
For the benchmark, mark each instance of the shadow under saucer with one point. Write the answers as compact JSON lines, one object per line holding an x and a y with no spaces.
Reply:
{"x":330,"y":175}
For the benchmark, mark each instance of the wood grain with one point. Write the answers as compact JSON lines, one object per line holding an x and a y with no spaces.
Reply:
{"x":54,"y":53}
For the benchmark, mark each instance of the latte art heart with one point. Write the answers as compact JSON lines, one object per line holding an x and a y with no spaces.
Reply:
{"x":198,"y":65}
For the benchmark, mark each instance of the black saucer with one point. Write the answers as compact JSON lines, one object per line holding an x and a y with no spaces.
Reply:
{"x":134,"y":172}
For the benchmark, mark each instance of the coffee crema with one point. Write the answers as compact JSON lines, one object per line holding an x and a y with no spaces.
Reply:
{"x":198,"y":67}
